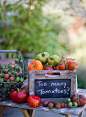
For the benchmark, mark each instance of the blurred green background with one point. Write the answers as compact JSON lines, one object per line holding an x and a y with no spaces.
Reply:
{"x":55,"y":26}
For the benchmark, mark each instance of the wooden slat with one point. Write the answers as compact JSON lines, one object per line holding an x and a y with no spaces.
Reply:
{"x":24,"y":112}
{"x":5,"y":107}
{"x":67,"y":115}
{"x":31,"y":112}
{"x":1,"y":111}
{"x":81,"y":114}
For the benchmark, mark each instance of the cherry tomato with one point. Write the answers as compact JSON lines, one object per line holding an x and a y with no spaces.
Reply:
{"x":6,"y":76}
{"x":69,"y":104}
{"x":75,"y":104}
{"x":68,"y":100}
{"x":11,"y":78}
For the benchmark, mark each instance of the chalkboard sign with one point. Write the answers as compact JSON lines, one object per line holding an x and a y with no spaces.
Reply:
{"x":52,"y":88}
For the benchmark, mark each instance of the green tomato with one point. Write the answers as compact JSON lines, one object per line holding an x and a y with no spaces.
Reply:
{"x":17,"y":79}
{"x":9,"y":73}
{"x":43,"y":57}
{"x":75,"y":104}
{"x":69,"y":104}
{"x":1,"y":75}
{"x":68,"y":100}
{"x":1,"y":80}
{"x":21,"y":79}
{"x":53,"y":60}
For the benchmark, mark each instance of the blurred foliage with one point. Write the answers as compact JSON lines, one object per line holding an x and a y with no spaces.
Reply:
{"x":29,"y":31}
{"x":33,"y":26}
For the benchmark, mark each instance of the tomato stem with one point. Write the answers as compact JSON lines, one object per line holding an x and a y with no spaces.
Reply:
{"x":43,"y":54}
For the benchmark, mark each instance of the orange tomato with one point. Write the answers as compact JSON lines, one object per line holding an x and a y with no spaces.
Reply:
{"x":35,"y":65}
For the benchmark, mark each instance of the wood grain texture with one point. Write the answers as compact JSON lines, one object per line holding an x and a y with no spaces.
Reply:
{"x":1,"y":110}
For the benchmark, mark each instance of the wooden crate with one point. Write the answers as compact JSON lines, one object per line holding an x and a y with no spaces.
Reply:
{"x":52,"y":87}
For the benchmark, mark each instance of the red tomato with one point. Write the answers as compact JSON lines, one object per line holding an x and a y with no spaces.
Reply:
{"x":33,"y":101}
{"x":80,"y":99}
{"x":35,"y":65}
{"x":68,"y":60}
{"x":72,"y":65}
{"x":62,"y":66}
{"x":12,"y":66}
{"x":6,"y":70}
{"x":62,"y":104}
{"x":45,"y":103}
{"x":11,"y":78}
{"x":6,"y":76}
{"x":49,"y":68}
{"x":19,"y":97}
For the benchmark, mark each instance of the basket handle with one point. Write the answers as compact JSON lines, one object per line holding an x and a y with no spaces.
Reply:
{"x":14,"y":51}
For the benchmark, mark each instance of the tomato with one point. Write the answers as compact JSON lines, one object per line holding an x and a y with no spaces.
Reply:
{"x":6,"y":70}
{"x":62,"y":66}
{"x":19,"y":97}
{"x":12,"y":66}
{"x":75,"y":104}
{"x":57,"y":105}
{"x":17,"y":79}
{"x":1,"y":80}
{"x":43,"y":57}
{"x":16,"y":60}
{"x":80,"y":99}
{"x":6,"y":76}
{"x":45,"y":103}
{"x":68,"y":60}
{"x":69,"y":104}
{"x":76,"y":66}
{"x":68,"y":100}
{"x":21,"y":72}
{"x":72,"y":65}
{"x":50,"y":105}
{"x":35,"y":65}
{"x":34,"y":101}
{"x":62,"y":104}
{"x":21,"y":79}
{"x":53,"y":60}
{"x":47,"y":67}
{"x":11,"y":78}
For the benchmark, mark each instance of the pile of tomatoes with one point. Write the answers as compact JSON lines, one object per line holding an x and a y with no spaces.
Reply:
{"x":46,"y":62}
{"x":11,"y":72}
{"x":76,"y":100}
{"x":11,"y":77}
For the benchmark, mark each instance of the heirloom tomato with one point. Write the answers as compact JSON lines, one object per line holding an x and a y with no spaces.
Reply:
{"x":57,"y":105}
{"x":80,"y":99}
{"x":53,"y":60}
{"x":34,"y":101}
{"x":43,"y":57}
{"x":72,"y":65}
{"x":35,"y":65}
{"x":62,"y":66}
{"x":48,"y":67}
{"x":19,"y":97}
